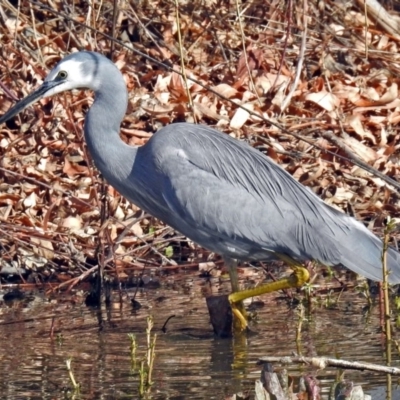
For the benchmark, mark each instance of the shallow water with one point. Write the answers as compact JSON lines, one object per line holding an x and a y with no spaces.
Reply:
{"x":190,"y":363}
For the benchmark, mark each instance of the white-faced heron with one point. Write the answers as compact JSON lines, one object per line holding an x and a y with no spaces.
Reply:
{"x":216,"y":190}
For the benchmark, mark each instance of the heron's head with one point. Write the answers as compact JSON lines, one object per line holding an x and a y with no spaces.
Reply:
{"x":80,"y":70}
{"x":76,"y":71}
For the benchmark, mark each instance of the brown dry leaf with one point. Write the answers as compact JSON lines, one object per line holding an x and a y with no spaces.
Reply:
{"x":112,"y":231}
{"x":346,"y":92}
{"x":9,"y":199}
{"x":324,"y":99}
{"x":30,"y":201}
{"x":13,"y":25}
{"x":254,"y":60}
{"x":316,"y":174}
{"x":394,"y":117}
{"x":32,"y":171}
{"x":338,"y":29}
{"x":341,"y":195}
{"x":72,"y":223}
{"x":43,"y":247}
{"x":157,"y":109}
{"x":355,"y":122}
{"x":5,"y":212}
{"x":30,"y":259}
{"x":162,"y":83}
{"x":265,"y":82}
{"x":225,"y":90}
{"x":390,"y":95}
{"x":85,"y":233}
{"x":208,"y":111}
{"x":137,"y":133}
{"x":280,"y":94}
{"x":199,"y":55}
{"x":241,"y":116}
{"x":71,"y":169}
{"x":375,"y":108}
{"x":176,"y":87}
{"x":137,"y":230}
{"x":361,"y":150}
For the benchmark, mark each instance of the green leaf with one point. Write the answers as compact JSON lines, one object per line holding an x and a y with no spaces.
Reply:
{"x":169,"y":251}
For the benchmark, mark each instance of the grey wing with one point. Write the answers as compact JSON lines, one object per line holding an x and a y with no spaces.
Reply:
{"x":225,"y":193}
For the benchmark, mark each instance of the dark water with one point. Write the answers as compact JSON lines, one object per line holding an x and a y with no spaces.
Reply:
{"x":190,"y":363}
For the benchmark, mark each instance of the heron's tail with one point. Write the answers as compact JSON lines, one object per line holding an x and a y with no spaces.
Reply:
{"x":363,"y":255}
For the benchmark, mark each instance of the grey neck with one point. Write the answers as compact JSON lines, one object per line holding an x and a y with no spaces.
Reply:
{"x":110,"y":154}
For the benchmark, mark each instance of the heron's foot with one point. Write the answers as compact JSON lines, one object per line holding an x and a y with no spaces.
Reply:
{"x":240,"y":315}
{"x":299,"y":277}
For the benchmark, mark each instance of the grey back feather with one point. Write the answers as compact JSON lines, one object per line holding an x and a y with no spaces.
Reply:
{"x":231,"y":199}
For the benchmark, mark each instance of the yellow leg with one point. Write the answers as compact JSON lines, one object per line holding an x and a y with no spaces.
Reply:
{"x":237,"y":306}
{"x":299,"y":277}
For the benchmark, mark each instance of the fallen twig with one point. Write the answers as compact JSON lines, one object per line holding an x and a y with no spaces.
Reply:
{"x":299,"y":68}
{"x":323,"y":362}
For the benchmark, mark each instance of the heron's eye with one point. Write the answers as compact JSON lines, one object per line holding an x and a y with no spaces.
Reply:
{"x":62,"y":75}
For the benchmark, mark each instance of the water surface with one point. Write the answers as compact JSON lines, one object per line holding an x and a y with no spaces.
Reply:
{"x":39,"y":336}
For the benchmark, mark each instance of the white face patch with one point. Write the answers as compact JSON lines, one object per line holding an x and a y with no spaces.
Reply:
{"x":72,"y":68}
{"x":73,"y":75}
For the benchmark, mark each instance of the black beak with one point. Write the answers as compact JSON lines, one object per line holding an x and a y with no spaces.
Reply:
{"x":38,"y":94}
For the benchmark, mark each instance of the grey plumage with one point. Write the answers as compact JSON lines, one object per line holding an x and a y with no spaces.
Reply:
{"x":216,"y":190}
